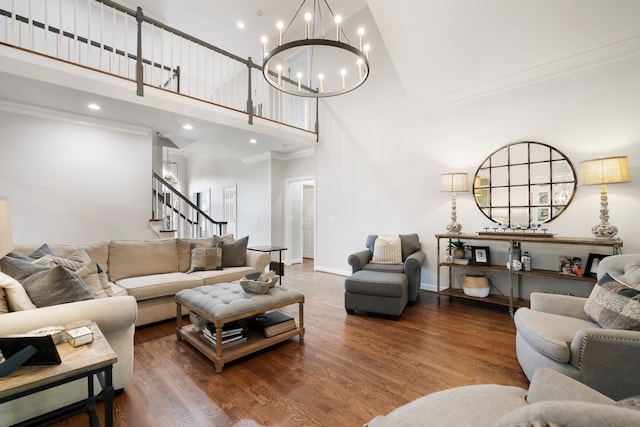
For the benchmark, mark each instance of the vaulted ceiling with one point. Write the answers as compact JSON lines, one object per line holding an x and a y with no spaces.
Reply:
{"x":443,"y":51}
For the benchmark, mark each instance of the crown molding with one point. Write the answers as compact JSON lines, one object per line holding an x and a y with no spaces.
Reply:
{"x":280,"y":156}
{"x":78,"y":119}
{"x":571,"y":64}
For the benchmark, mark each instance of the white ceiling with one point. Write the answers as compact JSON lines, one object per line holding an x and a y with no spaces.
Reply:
{"x":443,"y":51}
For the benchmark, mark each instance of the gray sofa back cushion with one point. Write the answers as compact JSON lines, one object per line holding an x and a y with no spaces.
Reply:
{"x":133,"y":258}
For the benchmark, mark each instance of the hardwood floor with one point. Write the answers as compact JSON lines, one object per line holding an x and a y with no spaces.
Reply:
{"x":348,"y":369}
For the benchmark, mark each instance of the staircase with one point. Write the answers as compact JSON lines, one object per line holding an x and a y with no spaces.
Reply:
{"x":174,"y":215}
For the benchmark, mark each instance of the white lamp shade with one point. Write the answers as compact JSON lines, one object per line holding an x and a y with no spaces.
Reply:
{"x":610,"y":170}
{"x":6,"y":241}
{"x":454,"y":182}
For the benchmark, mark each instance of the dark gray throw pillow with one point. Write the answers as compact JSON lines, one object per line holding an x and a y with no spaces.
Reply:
{"x":410,"y":244}
{"x":19,"y":268}
{"x":233,"y":254}
{"x":57,"y":285}
{"x":41,"y":251}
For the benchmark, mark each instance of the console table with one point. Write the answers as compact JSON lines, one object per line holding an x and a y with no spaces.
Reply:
{"x":511,"y":238}
{"x":96,"y":358}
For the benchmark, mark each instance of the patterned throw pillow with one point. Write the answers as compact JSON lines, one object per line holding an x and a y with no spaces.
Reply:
{"x":614,"y":305}
{"x":387,"y":250}
{"x":205,"y":258}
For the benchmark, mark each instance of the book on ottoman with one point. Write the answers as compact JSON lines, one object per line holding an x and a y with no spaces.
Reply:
{"x":272,"y":323}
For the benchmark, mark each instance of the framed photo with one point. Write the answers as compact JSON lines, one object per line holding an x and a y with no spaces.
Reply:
{"x":480,"y":255}
{"x":571,"y":266}
{"x":592,"y":264}
{"x":543,"y":214}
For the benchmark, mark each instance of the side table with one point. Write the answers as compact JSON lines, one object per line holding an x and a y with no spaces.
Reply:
{"x":277,"y":267}
{"x":96,"y":358}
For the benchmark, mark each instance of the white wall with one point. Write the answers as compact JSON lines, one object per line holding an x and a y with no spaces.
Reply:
{"x":378,"y":164}
{"x":70,"y":181}
{"x":253,"y":191}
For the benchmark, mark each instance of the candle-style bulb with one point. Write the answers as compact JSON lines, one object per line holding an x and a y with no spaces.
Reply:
{"x":321,"y":79}
{"x":360,"y":34}
{"x":299,"y":76}
{"x":279,"y":26}
{"x":366,"y":49}
{"x":338,"y":20}
{"x":264,"y":41}
{"x":279,"y":68}
{"x":343,"y":73}
{"x":307,"y":18}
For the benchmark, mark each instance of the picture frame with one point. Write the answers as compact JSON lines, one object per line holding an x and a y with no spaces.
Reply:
{"x":593,"y":261}
{"x":480,"y":255}
{"x":570,"y":266}
{"x":543,"y":214}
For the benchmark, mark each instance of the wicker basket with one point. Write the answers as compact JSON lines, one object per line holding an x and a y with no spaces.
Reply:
{"x":476,"y":286}
{"x":255,"y":287}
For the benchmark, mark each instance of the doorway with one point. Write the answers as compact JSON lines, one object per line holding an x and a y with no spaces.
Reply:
{"x":300,"y":218}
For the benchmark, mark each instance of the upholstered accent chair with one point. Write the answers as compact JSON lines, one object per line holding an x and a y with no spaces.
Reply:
{"x":553,"y":399}
{"x":557,"y":333}
{"x":386,"y":275}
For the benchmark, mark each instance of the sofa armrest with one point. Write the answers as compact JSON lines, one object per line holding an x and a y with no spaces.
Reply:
{"x":359,"y":259}
{"x":548,"y":384}
{"x":606,"y":358}
{"x":258,"y":260}
{"x":414,"y":262}
{"x":564,"y":305}
{"x":109,"y":314}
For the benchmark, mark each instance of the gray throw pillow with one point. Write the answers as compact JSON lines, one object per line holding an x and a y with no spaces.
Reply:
{"x":371,"y":242}
{"x":41,"y":251}
{"x":410,"y":244}
{"x":57,"y":285}
{"x":20,"y":269}
{"x":233,"y":254}
{"x":14,"y":254}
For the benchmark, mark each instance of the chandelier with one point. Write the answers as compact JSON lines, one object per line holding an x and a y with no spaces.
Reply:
{"x":315,"y":65}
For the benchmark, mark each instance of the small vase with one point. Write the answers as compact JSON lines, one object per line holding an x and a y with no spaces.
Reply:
{"x":459,"y":253}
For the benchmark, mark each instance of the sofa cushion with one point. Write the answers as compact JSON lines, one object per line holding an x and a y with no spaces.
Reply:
{"x":387,"y":250}
{"x":184,"y":251}
{"x":233,"y":254}
{"x":158,"y":285}
{"x":99,"y":251}
{"x":613,"y":304}
{"x":132,"y":258}
{"x":374,"y":283}
{"x":205,"y":258}
{"x":563,"y":413}
{"x":41,"y":251}
{"x":17,"y":297}
{"x":57,"y":285}
{"x":388,"y":268}
{"x":228,"y":274}
{"x":550,"y":334}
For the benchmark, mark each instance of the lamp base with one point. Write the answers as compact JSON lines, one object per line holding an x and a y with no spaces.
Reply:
{"x":604,"y":230}
{"x":454,"y":227}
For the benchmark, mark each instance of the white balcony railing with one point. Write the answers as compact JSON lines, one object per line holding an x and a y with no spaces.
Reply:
{"x":108,"y":37}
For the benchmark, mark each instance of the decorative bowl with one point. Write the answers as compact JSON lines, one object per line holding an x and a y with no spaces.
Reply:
{"x":255,"y":287}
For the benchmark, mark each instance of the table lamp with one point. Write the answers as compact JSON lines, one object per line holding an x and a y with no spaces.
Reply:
{"x":6,"y":246}
{"x":609,"y":170}
{"x":454,"y":183}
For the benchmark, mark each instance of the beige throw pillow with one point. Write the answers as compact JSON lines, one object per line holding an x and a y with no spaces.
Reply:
{"x":89,"y":273}
{"x":17,"y":297}
{"x":387,"y":249}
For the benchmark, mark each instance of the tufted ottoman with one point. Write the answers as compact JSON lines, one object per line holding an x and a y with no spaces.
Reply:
{"x":376,"y":292}
{"x":226,"y":302}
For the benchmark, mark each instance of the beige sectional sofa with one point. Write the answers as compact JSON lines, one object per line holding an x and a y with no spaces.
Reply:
{"x":144,"y":277}
{"x":153,"y":271}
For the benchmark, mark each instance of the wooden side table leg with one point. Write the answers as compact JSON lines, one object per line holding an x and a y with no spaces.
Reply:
{"x":301,"y":318}
{"x":178,"y":320}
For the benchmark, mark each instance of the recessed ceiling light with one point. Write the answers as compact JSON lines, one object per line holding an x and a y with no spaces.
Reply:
{"x":187,"y":126}
{"x":253,"y":141}
{"x":93,"y":106}
{"x":241,"y":25}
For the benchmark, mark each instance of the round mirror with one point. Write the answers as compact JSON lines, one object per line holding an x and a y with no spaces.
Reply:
{"x":524,"y":184}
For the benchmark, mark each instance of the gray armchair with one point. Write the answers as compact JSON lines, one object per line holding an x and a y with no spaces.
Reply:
{"x":412,"y":256}
{"x":556,"y":333}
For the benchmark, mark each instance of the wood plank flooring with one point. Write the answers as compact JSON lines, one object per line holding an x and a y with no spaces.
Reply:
{"x":348,"y":369}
